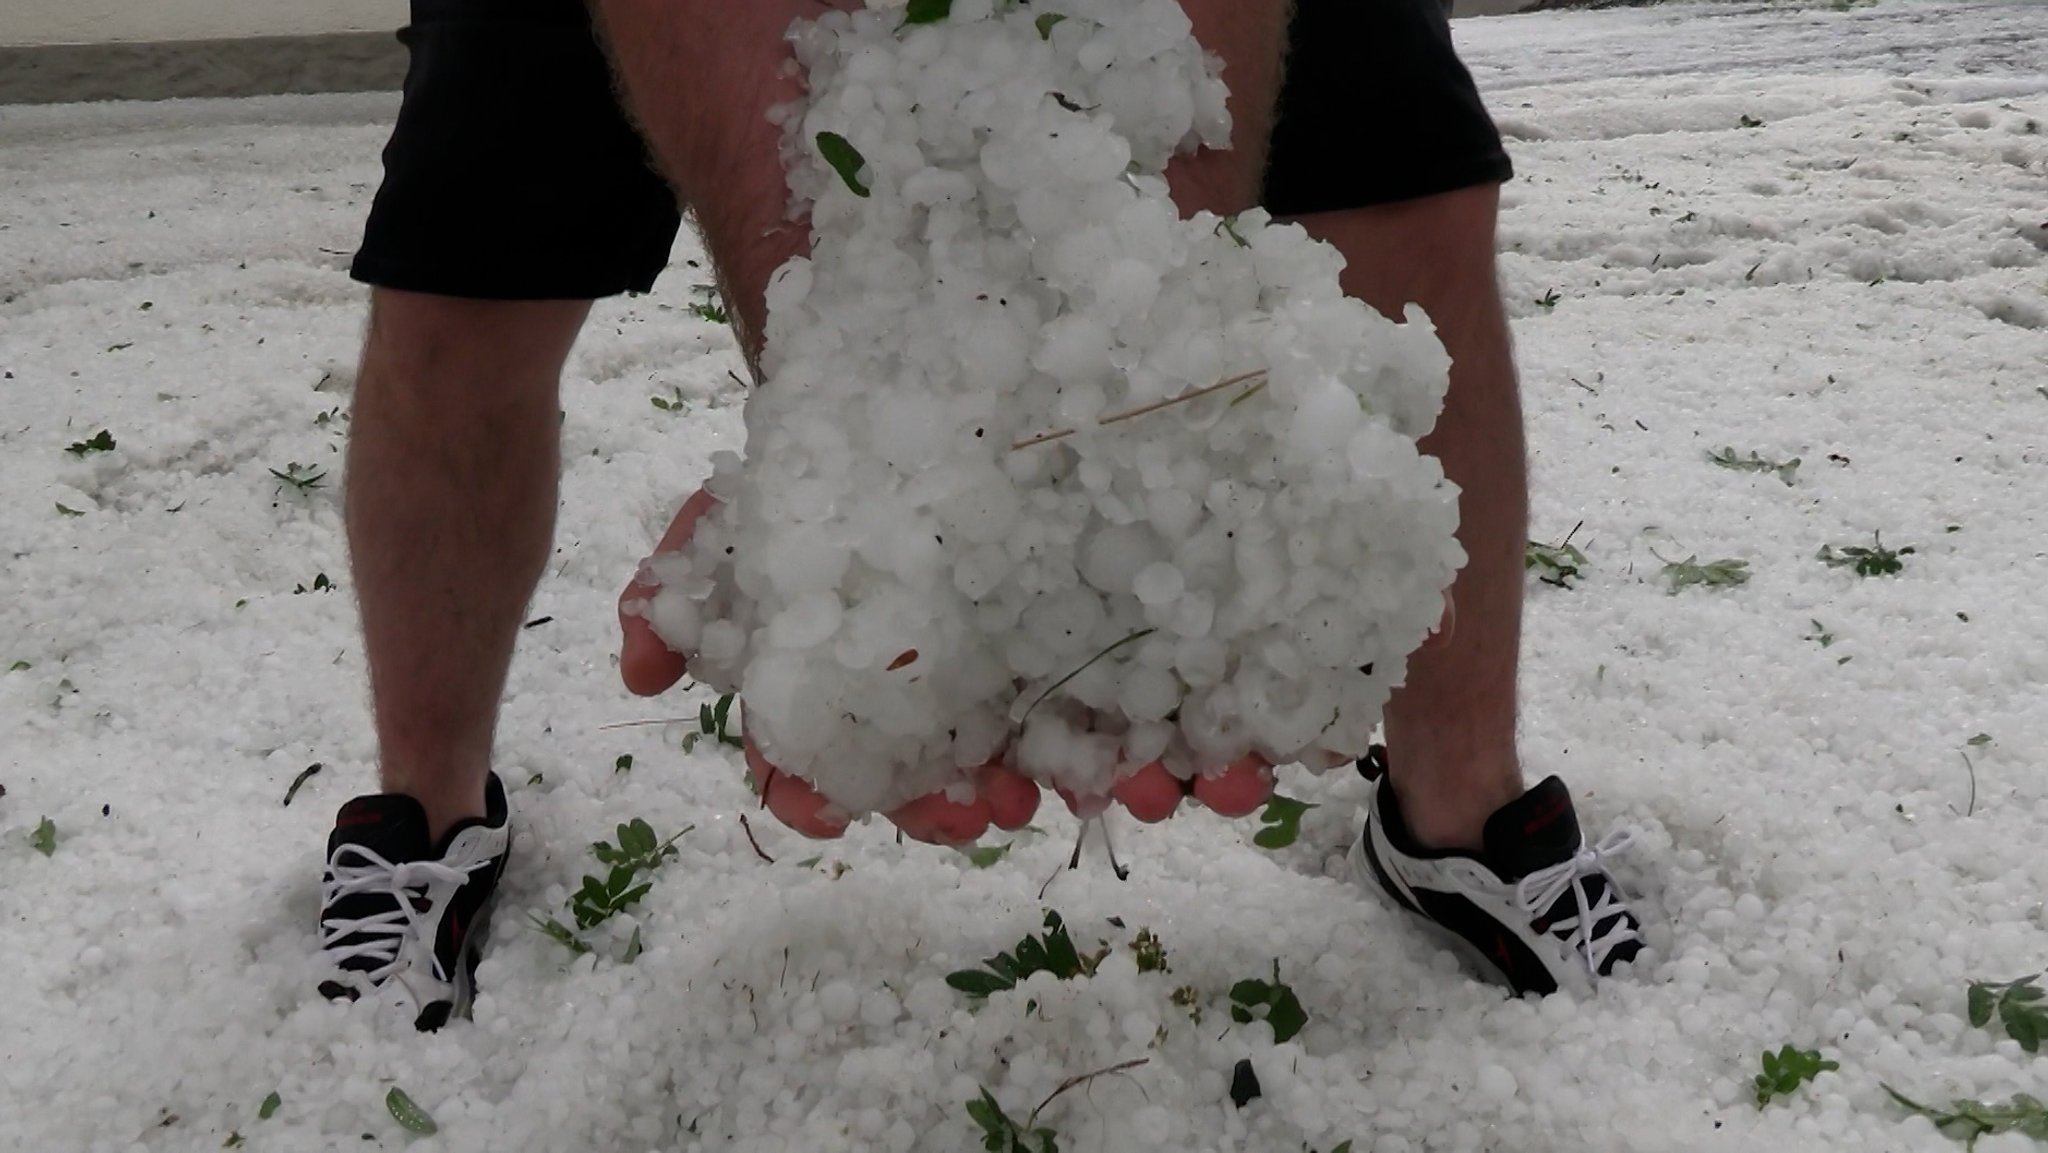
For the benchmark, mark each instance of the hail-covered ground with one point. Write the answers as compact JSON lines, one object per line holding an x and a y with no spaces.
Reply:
{"x":1805,"y":234}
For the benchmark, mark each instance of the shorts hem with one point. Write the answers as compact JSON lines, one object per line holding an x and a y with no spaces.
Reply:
{"x":509,"y":286}
{"x":1495,"y":169}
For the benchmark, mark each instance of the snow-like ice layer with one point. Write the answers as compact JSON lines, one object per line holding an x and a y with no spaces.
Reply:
{"x":903,"y":582}
{"x":1805,"y":842}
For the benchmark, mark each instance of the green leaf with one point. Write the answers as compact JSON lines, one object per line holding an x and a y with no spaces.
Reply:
{"x":632,"y":952}
{"x":2020,"y":1005}
{"x":624,"y":764}
{"x":44,"y":839}
{"x":19,"y":667}
{"x":978,"y":982}
{"x":1272,"y":1001}
{"x":1282,"y":820}
{"x":559,"y":933}
{"x":988,"y":1114}
{"x":985,"y":856}
{"x":1065,"y":960}
{"x":637,"y":837}
{"x":1982,"y":998}
{"x":1554,"y":564}
{"x":1979,"y":741}
{"x":235,"y":1140}
{"x":809,"y":862}
{"x":1728,"y":459}
{"x":67,"y":510}
{"x":268,"y":1109}
{"x":101,"y":441}
{"x":408,"y":1113}
{"x":2022,"y":1114}
{"x":1287,"y":1017}
{"x":304,"y":478}
{"x":926,"y":11}
{"x":1867,"y":562}
{"x":844,"y":158}
{"x":1724,"y":573}
{"x":1149,"y":952}
{"x":1786,"y":1070}
{"x":1047,"y":23}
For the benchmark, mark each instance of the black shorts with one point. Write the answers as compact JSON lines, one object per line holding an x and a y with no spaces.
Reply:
{"x":513,"y":175}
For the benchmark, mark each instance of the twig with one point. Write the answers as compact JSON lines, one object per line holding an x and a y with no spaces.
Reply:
{"x":1141,"y":634}
{"x":1108,"y":846}
{"x":748,"y":827}
{"x":1078,"y":1081}
{"x":1973,"y":787}
{"x":657,"y":721}
{"x":1147,"y":409}
{"x":1071,"y":864}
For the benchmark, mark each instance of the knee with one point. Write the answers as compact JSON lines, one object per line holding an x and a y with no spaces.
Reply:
{"x":1435,"y":250}
{"x":423,"y":347}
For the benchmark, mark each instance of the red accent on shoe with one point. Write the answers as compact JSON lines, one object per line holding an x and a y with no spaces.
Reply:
{"x":1542,"y":817}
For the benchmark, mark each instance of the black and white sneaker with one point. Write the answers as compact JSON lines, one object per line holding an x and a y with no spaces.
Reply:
{"x":1538,"y":904}
{"x":402,"y":921}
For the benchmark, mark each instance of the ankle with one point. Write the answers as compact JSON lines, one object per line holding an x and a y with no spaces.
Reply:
{"x":448,"y":798}
{"x":1446,"y":803}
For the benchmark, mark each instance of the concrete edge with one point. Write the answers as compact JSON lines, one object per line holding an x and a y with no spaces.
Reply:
{"x":183,"y":69}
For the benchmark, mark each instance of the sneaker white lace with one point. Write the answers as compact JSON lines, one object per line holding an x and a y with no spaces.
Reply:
{"x":1544,"y":888}
{"x":398,"y":942}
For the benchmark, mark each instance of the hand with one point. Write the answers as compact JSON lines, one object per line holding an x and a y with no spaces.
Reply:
{"x":1004,"y":798}
{"x":648,"y":666}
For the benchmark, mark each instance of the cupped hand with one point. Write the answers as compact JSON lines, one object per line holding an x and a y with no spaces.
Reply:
{"x":1003,"y":798}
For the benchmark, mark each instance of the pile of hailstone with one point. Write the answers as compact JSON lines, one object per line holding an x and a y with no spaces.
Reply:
{"x":994,"y":503}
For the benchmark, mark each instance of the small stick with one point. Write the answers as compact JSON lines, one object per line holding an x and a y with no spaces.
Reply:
{"x":758,"y":851}
{"x":1141,"y":634}
{"x":1109,"y":846}
{"x":1080,"y":1080}
{"x":636,"y":724}
{"x":1145,"y":409}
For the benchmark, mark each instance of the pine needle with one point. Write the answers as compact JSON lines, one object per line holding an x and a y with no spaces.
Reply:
{"x":1155,"y":406}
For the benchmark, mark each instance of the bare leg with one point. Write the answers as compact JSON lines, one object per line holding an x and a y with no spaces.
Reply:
{"x":1451,"y":728}
{"x":453,"y":460}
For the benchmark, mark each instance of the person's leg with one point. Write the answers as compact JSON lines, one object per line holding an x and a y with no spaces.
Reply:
{"x":452,"y":464}
{"x":1451,"y":728}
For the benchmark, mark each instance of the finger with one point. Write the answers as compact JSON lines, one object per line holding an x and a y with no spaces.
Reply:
{"x":1239,"y":789}
{"x":646,"y":663}
{"x":793,"y":801}
{"x":1084,"y":807}
{"x":1151,"y":793}
{"x":1446,"y":625}
{"x":937,"y":821}
{"x":1012,"y":797}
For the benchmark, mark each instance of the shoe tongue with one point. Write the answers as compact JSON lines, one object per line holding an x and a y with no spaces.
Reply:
{"x":1533,"y":831}
{"x":392,"y":826}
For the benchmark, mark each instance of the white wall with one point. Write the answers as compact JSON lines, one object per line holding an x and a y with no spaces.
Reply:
{"x":25,"y":22}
